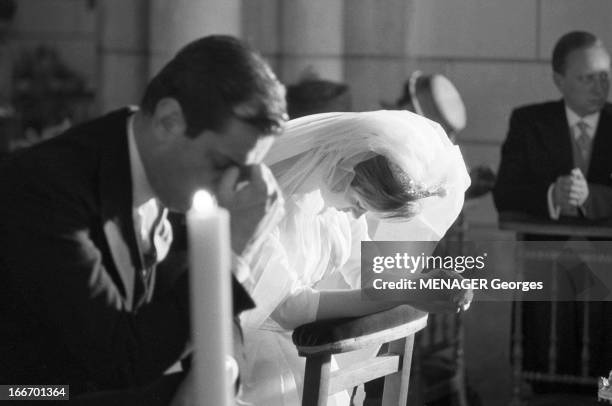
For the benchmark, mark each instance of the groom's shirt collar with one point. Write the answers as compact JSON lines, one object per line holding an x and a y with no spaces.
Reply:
{"x":141,"y":188}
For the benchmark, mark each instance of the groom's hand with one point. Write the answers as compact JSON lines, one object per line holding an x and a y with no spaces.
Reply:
{"x":252,"y":196}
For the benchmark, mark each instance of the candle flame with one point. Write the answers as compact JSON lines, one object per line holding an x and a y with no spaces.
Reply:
{"x":203,"y":201}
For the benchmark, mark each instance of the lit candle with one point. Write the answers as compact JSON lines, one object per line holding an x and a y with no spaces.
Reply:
{"x":209,"y":263}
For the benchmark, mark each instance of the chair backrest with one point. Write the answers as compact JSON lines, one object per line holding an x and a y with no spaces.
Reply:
{"x":320,"y":340}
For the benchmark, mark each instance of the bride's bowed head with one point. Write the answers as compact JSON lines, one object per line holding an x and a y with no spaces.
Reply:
{"x":394,"y":164}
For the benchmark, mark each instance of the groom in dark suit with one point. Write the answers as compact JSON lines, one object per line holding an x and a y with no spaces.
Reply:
{"x":93,"y":295}
{"x":556,"y":165}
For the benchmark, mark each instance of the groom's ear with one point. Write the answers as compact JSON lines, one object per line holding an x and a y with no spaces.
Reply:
{"x":168,"y":119}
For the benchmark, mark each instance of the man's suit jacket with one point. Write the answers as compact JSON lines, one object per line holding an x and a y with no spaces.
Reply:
{"x":538,"y":149}
{"x":77,"y":304}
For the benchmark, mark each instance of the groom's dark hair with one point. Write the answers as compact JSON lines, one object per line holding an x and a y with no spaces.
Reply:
{"x":215,"y":78}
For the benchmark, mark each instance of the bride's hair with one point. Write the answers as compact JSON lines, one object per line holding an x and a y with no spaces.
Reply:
{"x":388,"y":189}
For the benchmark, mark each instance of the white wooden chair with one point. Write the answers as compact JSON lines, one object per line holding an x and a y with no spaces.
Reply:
{"x":318,"y":341}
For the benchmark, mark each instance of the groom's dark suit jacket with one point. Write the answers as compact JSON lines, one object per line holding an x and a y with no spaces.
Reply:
{"x":538,"y":149}
{"x":77,"y":305}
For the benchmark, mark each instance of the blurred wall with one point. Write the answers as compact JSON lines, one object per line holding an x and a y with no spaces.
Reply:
{"x":66,"y":25}
{"x":118,"y":44}
{"x":137,"y":37}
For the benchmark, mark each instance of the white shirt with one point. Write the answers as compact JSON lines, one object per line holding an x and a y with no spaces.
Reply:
{"x":592,"y":120}
{"x":145,"y":205}
{"x":573,"y":119}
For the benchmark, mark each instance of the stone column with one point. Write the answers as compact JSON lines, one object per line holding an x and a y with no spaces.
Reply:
{"x":376,"y":50}
{"x":137,"y":37}
{"x":175,"y":23}
{"x":261,"y":28}
{"x":122,"y":52}
{"x":311,"y":37}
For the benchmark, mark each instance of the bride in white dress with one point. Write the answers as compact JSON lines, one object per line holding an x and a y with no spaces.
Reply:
{"x":333,"y":168}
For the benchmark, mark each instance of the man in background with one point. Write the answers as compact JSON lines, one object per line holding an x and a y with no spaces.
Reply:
{"x":556,"y":158}
{"x":556,"y":166}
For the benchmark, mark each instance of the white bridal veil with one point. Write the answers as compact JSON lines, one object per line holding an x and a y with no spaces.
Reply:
{"x":324,"y":148}
{"x":320,"y":151}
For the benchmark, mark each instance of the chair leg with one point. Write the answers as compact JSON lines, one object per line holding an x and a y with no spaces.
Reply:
{"x":416,"y":395}
{"x":395,"y":392}
{"x":462,"y":393}
{"x":316,"y":380}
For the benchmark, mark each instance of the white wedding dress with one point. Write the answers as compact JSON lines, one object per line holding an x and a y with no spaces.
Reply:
{"x":314,"y":243}
{"x":274,"y":373}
